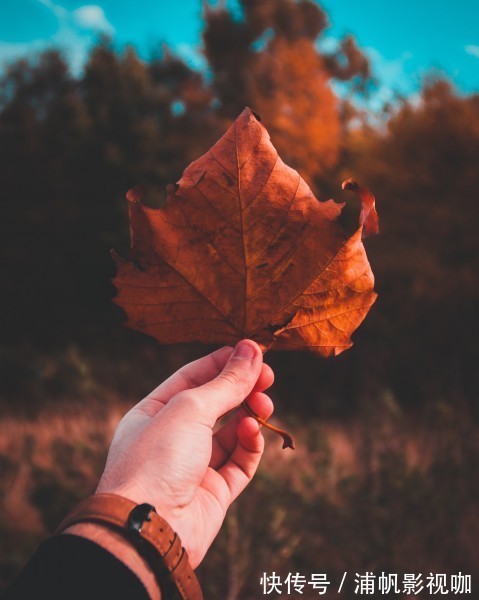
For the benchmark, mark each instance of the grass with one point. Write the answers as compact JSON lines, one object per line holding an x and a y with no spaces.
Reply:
{"x":382,"y":491}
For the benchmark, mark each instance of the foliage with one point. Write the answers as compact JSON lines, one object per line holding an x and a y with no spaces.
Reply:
{"x":423,"y":167}
{"x":268,"y":58}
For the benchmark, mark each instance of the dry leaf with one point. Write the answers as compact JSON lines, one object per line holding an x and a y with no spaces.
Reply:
{"x":243,"y":249}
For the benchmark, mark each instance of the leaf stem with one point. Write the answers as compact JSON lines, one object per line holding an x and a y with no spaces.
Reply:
{"x":288,"y":441}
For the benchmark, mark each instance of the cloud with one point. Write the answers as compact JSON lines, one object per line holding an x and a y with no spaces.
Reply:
{"x":192,"y":55}
{"x":390,"y":71}
{"x":392,"y":75}
{"x":92,"y":16}
{"x":473,"y":50}
{"x":75,"y":35}
{"x":328,"y":44}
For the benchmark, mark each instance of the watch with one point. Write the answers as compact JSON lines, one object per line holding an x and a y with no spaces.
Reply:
{"x":149,"y":533}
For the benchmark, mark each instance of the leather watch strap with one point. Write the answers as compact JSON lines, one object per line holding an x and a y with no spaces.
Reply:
{"x":140,"y":524}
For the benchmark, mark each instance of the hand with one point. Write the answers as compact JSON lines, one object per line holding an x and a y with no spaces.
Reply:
{"x":164,"y":451}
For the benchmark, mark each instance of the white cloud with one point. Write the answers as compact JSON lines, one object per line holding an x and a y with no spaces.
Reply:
{"x":76,"y":34}
{"x":192,"y":55}
{"x":92,"y":16}
{"x":392,"y":77}
{"x":473,"y":50}
{"x":328,"y":44}
{"x":389,"y":71}
{"x":56,"y":9}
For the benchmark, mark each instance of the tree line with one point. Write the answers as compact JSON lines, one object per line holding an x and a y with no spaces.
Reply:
{"x":71,"y":146}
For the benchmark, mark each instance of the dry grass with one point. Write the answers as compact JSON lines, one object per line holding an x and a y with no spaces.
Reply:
{"x":384,"y":479}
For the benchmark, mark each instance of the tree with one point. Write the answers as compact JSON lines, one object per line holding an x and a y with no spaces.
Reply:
{"x":70,"y":148}
{"x":267,"y":57}
{"x":422,"y":168}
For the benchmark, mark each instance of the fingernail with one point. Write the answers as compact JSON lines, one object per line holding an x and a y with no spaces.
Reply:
{"x":244,"y":350}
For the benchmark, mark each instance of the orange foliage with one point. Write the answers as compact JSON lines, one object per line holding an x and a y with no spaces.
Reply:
{"x":290,"y":89}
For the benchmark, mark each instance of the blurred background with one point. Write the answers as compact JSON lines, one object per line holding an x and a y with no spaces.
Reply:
{"x":97,"y":98}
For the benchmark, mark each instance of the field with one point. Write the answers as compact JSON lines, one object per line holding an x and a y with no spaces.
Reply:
{"x":357,"y":495}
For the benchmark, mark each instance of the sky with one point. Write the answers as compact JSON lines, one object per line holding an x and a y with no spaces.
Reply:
{"x":404,"y":39}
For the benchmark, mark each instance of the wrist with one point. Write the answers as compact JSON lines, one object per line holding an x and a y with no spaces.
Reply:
{"x":122,"y":549}
{"x":173,"y":514}
{"x":145,"y":533}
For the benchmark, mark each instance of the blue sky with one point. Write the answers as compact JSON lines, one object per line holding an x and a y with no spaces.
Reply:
{"x":404,"y":39}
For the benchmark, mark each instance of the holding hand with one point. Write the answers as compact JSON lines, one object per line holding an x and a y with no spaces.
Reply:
{"x":165,"y":453}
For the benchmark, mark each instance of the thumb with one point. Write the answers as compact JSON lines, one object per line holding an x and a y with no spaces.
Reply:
{"x":235,"y":382}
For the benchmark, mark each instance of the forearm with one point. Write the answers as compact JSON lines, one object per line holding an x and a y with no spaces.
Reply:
{"x":77,"y":568}
{"x":146,"y":536}
{"x":117,"y":545}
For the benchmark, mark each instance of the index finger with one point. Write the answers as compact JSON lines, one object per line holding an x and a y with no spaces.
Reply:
{"x":188,"y":377}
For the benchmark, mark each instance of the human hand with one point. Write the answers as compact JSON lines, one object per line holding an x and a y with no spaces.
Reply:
{"x":164,"y":451}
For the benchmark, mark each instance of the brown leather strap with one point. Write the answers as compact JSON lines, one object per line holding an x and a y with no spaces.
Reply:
{"x":113,"y":510}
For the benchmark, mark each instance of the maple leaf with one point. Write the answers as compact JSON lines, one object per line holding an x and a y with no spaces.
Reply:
{"x":243,"y":249}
